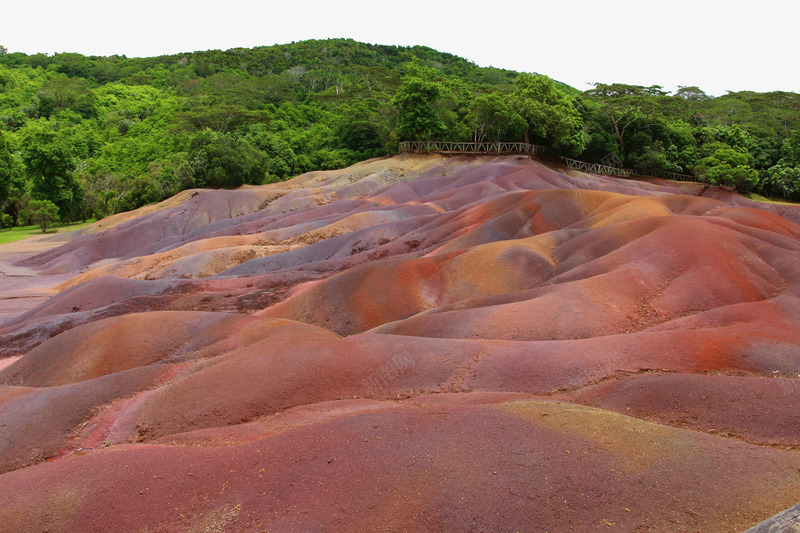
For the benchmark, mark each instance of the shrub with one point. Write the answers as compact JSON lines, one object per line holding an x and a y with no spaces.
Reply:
{"x":43,"y":212}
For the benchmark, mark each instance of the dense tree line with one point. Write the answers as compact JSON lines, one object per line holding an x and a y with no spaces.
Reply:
{"x":98,"y":135}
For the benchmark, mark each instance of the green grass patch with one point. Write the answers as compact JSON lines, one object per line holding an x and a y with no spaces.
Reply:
{"x":758,"y":198}
{"x":19,"y":233}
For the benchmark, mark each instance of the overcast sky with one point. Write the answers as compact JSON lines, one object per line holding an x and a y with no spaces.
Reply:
{"x":718,"y":46}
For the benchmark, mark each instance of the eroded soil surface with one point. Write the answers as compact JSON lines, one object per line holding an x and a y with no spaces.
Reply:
{"x":410,"y":344}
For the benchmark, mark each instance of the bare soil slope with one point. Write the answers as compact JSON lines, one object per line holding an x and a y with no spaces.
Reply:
{"x":412,"y":344}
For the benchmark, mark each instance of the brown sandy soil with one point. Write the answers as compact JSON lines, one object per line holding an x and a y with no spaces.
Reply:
{"x":417,"y":343}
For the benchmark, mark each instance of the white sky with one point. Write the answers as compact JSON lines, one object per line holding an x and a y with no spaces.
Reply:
{"x":716,"y":45}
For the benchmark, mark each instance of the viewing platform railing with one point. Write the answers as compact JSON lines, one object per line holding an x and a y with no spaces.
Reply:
{"x":675,"y":176}
{"x":597,"y":168}
{"x":503,"y":148}
{"x":474,"y":148}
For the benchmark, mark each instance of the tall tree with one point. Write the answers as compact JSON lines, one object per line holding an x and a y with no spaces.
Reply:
{"x":221,"y":160}
{"x":492,"y":119}
{"x":7,"y":170}
{"x":691,"y":93}
{"x":623,"y":106}
{"x":50,"y":161}
{"x":415,"y":100}
{"x":551,"y":117}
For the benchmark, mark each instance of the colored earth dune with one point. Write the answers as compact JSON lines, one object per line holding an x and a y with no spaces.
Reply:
{"x":416,"y":343}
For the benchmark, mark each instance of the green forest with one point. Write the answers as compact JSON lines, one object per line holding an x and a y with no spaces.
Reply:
{"x":85,"y":136}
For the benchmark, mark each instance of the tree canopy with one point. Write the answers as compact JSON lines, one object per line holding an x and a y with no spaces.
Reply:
{"x":97,"y":135}
{"x":551,"y":116}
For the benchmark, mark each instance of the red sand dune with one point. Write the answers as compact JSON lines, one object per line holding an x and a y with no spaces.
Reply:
{"x":413,"y":344}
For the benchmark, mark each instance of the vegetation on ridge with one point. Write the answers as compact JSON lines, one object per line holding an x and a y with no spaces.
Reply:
{"x":99,"y":135}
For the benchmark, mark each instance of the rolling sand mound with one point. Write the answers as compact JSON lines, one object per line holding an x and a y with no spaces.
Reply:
{"x":414,"y":344}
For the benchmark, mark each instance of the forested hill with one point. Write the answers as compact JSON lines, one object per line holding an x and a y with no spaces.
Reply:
{"x":98,"y":135}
